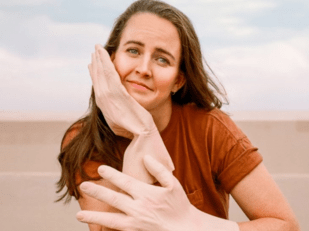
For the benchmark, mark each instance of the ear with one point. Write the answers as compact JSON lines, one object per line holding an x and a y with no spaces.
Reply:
{"x":180,"y":81}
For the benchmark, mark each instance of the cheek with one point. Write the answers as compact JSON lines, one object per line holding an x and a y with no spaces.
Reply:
{"x":166,"y":80}
{"x":123,"y":66}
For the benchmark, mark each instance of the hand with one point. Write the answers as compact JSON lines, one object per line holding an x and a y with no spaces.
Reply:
{"x":144,"y":207}
{"x":126,"y":117}
{"x":121,"y":111}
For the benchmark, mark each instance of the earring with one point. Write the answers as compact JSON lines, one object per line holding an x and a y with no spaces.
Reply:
{"x":173,"y":93}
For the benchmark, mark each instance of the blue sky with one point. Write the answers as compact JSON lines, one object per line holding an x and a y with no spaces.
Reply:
{"x":259,"y":50}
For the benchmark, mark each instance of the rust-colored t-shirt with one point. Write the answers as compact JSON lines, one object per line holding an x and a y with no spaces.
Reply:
{"x":210,"y":153}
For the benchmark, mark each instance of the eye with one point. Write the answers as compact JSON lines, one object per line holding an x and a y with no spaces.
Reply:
{"x":133,"y":51}
{"x":163,"y":60}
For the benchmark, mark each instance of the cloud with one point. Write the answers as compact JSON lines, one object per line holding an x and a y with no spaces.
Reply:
{"x":46,"y":66}
{"x":218,"y":18}
{"x":58,"y":84}
{"x":43,"y":63}
{"x":115,"y":5}
{"x":269,"y":76}
{"x":66,"y":38}
{"x":218,"y":8}
{"x":26,"y":2}
{"x":40,"y":36}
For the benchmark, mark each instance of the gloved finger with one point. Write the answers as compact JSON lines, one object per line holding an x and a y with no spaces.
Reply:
{"x":115,"y":199}
{"x":93,"y":72}
{"x":118,"y":221}
{"x":90,"y":69}
{"x":159,"y":171}
{"x":126,"y":183}
{"x":99,"y":65}
{"x":108,"y":67}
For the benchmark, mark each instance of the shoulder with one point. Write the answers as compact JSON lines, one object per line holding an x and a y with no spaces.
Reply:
{"x":191,"y":110}
{"x":214,"y":121}
{"x":72,"y":132}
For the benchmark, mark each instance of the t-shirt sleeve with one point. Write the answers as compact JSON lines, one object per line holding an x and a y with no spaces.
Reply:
{"x":90,"y":167}
{"x":233,"y":155}
{"x":238,"y":163}
{"x":70,"y":134}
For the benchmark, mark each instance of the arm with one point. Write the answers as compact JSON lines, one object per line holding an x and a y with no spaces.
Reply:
{"x":148,"y":207}
{"x":89,"y":203}
{"x":125,"y":116}
{"x":167,"y":208}
{"x":263,"y":203}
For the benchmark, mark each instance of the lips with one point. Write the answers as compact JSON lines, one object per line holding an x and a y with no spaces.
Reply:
{"x":140,"y":84}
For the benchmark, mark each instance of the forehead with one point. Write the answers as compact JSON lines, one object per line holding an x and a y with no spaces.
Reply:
{"x":151,"y":30}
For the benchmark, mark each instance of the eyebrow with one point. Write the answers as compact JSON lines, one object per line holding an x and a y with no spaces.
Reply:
{"x":158,"y":49}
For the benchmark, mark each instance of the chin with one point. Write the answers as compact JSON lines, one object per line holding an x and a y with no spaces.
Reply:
{"x":142,"y":100}
{"x":144,"y":104}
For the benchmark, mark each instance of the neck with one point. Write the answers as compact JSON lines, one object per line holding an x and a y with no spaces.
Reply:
{"x":162,"y":115}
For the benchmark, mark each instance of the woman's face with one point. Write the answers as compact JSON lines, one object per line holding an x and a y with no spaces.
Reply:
{"x":147,"y":60}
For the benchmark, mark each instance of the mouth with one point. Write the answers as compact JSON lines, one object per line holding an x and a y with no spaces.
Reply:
{"x":139,"y":85}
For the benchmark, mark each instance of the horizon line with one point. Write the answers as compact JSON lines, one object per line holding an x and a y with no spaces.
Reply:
{"x":244,"y":115}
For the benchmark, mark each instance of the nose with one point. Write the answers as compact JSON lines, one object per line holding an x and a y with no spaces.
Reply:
{"x":144,"y":67}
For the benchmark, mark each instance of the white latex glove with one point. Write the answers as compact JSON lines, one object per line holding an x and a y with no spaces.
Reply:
{"x":120,"y":110}
{"x":126,"y":117}
{"x":148,"y":207}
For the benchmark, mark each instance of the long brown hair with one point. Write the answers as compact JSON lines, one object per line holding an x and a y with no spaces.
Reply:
{"x":95,"y":140}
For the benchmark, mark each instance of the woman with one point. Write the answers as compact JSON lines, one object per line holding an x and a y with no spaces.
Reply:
{"x":154,"y":61}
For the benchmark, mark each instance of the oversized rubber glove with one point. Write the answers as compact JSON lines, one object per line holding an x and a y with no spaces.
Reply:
{"x":126,"y":117}
{"x":148,"y":207}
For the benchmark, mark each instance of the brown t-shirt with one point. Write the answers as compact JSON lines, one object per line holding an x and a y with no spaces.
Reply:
{"x":210,"y":153}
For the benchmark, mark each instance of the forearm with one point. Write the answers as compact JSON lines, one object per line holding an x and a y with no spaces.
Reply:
{"x":150,"y":144}
{"x":269,"y":224}
{"x":204,"y":221}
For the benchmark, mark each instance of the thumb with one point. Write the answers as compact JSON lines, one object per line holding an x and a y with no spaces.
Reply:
{"x":159,"y":171}
{"x":105,"y":59}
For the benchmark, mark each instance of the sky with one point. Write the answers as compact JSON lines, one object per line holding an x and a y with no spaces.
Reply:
{"x":258,"y":49}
